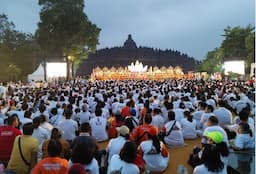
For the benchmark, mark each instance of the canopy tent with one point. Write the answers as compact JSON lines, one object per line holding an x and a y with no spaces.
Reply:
{"x":37,"y":75}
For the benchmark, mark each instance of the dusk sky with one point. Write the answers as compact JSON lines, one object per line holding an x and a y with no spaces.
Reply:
{"x":193,"y":27}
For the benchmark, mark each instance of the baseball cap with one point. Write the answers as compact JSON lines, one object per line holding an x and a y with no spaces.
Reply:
{"x":215,"y":136}
{"x":123,"y":130}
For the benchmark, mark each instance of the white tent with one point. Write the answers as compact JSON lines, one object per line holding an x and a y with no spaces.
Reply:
{"x":37,"y":75}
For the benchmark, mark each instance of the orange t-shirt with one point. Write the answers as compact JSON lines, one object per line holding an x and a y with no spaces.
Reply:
{"x":51,"y":165}
{"x":138,"y":134}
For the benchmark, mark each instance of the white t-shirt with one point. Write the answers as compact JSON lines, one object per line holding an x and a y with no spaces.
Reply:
{"x":68,"y":128}
{"x":201,"y":169}
{"x":197,"y":116}
{"x":114,"y":146}
{"x":98,"y":125}
{"x":93,"y":167}
{"x":116,"y":164}
{"x":224,"y":116}
{"x":244,"y":141}
{"x":188,"y":128}
{"x":205,"y":118}
{"x":24,"y":121}
{"x":56,"y":119}
{"x":179,"y":114}
{"x":84,"y":117}
{"x":155,"y":162}
{"x":158,"y":121}
{"x":41,"y":135}
{"x":175,"y":138}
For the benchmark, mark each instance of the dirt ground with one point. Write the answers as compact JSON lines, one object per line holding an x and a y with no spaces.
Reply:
{"x":178,"y":156}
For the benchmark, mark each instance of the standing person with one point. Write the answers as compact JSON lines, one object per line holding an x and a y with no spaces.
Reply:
{"x":124,"y":161}
{"x":53,"y":164}
{"x":24,"y":151}
{"x":68,"y":126}
{"x":8,"y":134}
{"x":99,"y":126}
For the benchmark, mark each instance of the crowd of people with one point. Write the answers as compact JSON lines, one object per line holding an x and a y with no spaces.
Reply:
{"x":56,"y":128}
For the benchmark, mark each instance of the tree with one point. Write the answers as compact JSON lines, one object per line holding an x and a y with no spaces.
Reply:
{"x":238,"y":42}
{"x":19,"y":52}
{"x":64,"y":31}
{"x":213,"y":61}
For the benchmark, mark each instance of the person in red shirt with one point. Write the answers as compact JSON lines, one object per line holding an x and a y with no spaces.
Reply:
{"x":140,"y":133}
{"x":126,"y":110}
{"x":7,"y":136}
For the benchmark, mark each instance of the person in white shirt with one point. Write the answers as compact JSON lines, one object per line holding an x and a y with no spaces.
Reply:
{"x":223,"y":114}
{"x":157,"y":119}
{"x":173,"y":131}
{"x":198,"y":114}
{"x":179,"y":112}
{"x":99,"y":126}
{"x":85,"y":115}
{"x":42,"y":111}
{"x":115,"y":145}
{"x":188,"y":125}
{"x":26,"y":119}
{"x":56,"y":117}
{"x":154,"y":152}
{"x":44,"y":124}
{"x":208,"y":113}
{"x":40,"y":134}
{"x":212,"y":126}
{"x":243,"y":118}
{"x":68,"y":127}
{"x":124,"y":161}
{"x":244,"y":140}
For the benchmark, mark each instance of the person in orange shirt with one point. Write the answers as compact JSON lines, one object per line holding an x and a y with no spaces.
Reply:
{"x":126,"y":110}
{"x":140,"y":133}
{"x":52,"y":164}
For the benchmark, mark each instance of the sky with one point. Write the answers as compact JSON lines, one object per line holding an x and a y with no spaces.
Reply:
{"x":193,"y":27}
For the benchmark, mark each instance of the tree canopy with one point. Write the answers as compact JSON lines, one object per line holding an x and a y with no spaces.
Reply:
{"x":19,"y":52}
{"x":238,"y":42}
{"x":65,"y":31}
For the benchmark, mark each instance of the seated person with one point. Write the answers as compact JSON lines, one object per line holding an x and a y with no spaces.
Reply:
{"x":154,"y":152}
{"x":244,"y":140}
{"x":124,"y":162}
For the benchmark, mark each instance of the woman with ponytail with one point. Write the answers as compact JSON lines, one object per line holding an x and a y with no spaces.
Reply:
{"x":154,"y":152}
